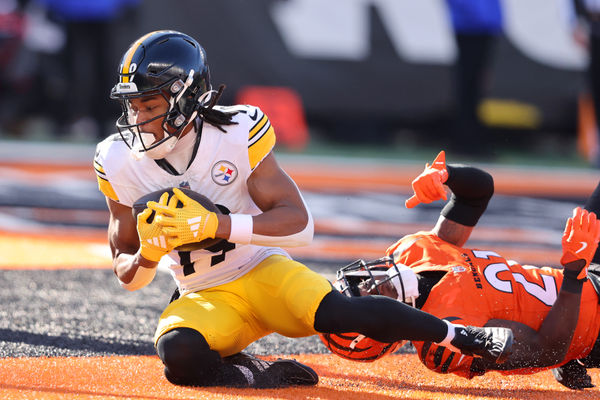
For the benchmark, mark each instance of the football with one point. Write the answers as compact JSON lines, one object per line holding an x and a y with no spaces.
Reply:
{"x":140,"y":205}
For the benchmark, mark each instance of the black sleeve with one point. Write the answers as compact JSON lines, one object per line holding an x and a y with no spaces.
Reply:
{"x":472,"y":188}
{"x":581,"y":10}
{"x":593,"y":205}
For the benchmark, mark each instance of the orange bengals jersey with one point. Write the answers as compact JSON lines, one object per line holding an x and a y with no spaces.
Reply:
{"x":481,"y":285}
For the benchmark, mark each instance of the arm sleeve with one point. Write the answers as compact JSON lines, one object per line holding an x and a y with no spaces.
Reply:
{"x":472,"y":189}
{"x":593,"y":205}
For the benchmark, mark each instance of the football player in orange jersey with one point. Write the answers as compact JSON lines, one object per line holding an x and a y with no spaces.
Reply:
{"x":554,"y":314}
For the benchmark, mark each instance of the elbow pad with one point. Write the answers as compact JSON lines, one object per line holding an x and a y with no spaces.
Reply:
{"x":142,"y":277}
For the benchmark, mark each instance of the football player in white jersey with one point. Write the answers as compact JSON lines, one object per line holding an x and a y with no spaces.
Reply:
{"x":172,"y":134}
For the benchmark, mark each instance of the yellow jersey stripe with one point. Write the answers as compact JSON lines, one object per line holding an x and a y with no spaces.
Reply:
{"x":129,"y":56}
{"x":107,"y":189}
{"x":98,"y":167}
{"x":258,"y":150}
{"x":259,"y":125}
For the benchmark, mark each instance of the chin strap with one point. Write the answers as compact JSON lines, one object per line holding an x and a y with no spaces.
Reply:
{"x":156,"y":153}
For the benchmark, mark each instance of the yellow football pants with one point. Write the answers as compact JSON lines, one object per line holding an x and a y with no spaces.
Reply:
{"x":278,"y":295}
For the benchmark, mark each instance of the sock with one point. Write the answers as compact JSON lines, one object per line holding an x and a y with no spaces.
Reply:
{"x":450,"y":336}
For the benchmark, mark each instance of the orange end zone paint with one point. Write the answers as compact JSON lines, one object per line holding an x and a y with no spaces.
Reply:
{"x":141,"y":377}
{"x":60,"y":251}
{"x":88,"y":251}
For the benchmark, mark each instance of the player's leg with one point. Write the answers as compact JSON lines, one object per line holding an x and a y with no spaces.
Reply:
{"x":388,"y":320}
{"x":182,"y":346}
{"x":189,"y":361}
{"x":200,"y":336}
{"x":294,"y":301}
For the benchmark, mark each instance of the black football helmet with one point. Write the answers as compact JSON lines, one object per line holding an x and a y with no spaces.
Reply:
{"x":168,"y":63}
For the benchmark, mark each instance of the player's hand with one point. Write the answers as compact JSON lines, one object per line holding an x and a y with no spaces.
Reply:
{"x":579,"y":241}
{"x":154,"y":242}
{"x":573,"y":375}
{"x":429,"y":186}
{"x":190,"y":223}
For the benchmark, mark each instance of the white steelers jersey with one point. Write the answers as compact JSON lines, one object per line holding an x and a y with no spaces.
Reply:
{"x":219,"y":171}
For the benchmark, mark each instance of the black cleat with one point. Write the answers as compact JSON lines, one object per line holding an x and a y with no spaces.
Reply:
{"x":490,"y":343}
{"x":293,"y":373}
{"x":281,"y":373}
{"x":573,"y":375}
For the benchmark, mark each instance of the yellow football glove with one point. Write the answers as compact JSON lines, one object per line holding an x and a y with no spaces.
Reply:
{"x":429,"y":185}
{"x":579,"y":242}
{"x":154,"y":241}
{"x":189,"y":224}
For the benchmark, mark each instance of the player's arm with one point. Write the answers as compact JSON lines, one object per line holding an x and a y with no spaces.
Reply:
{"x":284,"y":221}
{"x":593,"y":205}
{"x":472,"y":188}
{"x":133,"y":270}
{"x":550,"y":343}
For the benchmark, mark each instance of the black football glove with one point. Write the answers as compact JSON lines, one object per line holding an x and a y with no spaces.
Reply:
{"x":573,"y":375}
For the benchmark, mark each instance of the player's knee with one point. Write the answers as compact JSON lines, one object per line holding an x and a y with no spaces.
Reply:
{"x":329,"y":316}
{"x":186,"y":356}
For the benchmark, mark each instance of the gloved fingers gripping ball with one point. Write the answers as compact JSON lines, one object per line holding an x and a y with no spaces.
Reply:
{"x":174,"y":202}
{"x":154,"y":241}
{"x":579,"y":242}
{"x":429,"y":185}
{"x":190,"y":223}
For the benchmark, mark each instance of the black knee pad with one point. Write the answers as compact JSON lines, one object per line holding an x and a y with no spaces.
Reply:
{"x":187,"y":357}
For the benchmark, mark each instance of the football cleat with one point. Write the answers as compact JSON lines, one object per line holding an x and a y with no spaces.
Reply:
{"x":262,"y":374}
{"x":490,"y":343}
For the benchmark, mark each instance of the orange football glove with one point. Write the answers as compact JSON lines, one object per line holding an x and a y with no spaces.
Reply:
{"x":189,"y":224}
{"x":429,"y":186}
{"x":579,"y":241}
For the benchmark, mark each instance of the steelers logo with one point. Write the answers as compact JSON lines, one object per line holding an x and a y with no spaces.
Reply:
{"x":223,"y":173}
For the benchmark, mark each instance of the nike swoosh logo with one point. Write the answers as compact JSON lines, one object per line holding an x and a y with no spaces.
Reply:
{"x":253,"y":117}
{"x":583,"y":246}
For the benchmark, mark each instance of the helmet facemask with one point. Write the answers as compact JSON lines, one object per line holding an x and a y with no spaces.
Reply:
{"x":363,"y":278}
{"x":182,"y":110}
{"x":382,"y":277}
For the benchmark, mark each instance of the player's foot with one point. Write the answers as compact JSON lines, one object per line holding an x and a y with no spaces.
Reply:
{"x":292,"y":373}
{"x":263,"y":374}
{"x":490,"y":343}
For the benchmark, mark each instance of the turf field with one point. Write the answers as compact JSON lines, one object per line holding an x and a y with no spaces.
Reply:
{"x":68,"y":330}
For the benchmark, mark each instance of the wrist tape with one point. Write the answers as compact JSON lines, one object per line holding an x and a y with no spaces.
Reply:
{"x":241,"y":228}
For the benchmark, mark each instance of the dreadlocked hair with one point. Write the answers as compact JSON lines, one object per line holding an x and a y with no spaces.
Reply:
{"x":216,"y":117}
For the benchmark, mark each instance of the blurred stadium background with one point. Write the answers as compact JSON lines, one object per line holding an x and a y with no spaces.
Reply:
{"x":331,"y":75}
{"x":361,"y":93}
